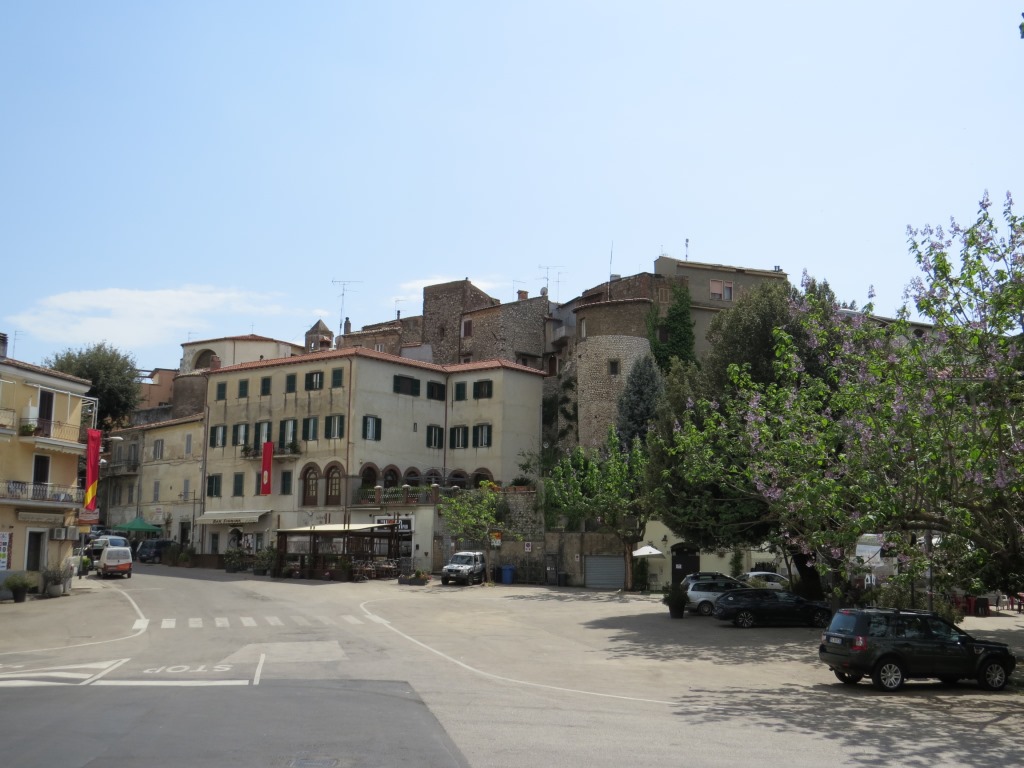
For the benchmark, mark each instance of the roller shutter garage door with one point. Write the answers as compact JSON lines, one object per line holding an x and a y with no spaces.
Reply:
{"x":605,"y":571}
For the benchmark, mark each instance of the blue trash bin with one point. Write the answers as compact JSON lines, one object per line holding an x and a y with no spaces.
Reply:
{"x":508,"y":572}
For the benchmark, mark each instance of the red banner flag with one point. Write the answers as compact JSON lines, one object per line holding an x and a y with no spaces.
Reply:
{"x":90,"y":515}
{"x":268,"y":462}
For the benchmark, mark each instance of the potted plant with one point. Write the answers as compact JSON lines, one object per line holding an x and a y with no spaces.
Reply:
{"x":234,"y":559}
{"x":53,"y":581}
{"x":85,"y":565}
{"x":265,"y":561}
{"x":18,"y":584}
{"x":676,"y":598}
{"x":418,"y":579}
{"x":27,"y":429}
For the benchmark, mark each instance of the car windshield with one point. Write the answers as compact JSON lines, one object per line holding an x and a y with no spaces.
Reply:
{"x":462,"y":560}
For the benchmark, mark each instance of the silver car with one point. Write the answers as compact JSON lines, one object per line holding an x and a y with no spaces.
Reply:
{"x":703,"y":594}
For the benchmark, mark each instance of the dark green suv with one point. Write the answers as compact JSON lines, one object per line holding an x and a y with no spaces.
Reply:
{"x":893,"y":646}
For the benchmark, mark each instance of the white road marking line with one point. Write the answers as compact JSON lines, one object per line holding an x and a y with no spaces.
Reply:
{"x":221,"y":621}
{"x":248,"y":621}
{"x":378,"y":619}
{"x":167,"y":624}
{"x":274,"y":621}
{"x":259,"y":669}
{"x":141,"y":625}
{"x":352,"y":619}
{"x":195,"y":623}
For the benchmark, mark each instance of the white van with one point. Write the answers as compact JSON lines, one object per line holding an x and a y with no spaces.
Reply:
{"x":115,"y":561}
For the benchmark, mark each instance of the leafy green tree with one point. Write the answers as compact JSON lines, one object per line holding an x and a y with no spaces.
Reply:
{"x":672,"y":336}
{"x":471,"y":515}
{"x":114,"y":376}
{"x":607,"y":486}
{"x":638,"y":404}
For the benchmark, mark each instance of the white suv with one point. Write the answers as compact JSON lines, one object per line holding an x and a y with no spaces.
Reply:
{"x":464,"y":568}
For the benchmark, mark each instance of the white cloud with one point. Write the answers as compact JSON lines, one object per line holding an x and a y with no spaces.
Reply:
{"x":136,"y":320}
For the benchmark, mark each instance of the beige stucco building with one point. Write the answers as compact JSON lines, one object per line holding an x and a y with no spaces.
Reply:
{"x":44,"y":416}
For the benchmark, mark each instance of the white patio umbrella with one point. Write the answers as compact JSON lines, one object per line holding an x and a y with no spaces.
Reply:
{"x":647,"y":551}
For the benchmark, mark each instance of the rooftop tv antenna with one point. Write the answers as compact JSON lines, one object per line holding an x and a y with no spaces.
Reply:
{"x":344,"y":285}
{"x":547,"y":273}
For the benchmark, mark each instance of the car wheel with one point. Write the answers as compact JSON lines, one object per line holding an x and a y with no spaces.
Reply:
{"x":992,"y":676}
{"x":706,"y":608}
{"x":820,"y":619}
{"x":848,"y":678}
{"x":444,"y":580}
{"x":744,"y":619}
{"x":888,"y":675}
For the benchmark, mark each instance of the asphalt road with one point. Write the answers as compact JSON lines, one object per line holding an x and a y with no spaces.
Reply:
{"x":201,"y":668}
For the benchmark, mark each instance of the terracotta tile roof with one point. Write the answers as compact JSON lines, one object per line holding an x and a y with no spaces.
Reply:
{"x":40,"y":369}
{"x":349,"y":352}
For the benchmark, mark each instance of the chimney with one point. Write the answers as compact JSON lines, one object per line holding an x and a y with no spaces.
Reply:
{"x":348,"y":326}
{"x":215,"y":363}
{"x":524,"y":295}
{"x":3,"y":346}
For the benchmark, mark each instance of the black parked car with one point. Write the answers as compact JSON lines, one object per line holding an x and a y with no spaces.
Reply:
{"x":151,"y":550}
{"x":747,"y":607}
{"x":892,"y":646}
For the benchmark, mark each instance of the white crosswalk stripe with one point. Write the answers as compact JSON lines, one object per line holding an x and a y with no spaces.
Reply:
{"x":226,"y":622}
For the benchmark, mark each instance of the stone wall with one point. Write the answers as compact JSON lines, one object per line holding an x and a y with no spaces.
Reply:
{"x":443,"y":308}
{"x":598,"y":389}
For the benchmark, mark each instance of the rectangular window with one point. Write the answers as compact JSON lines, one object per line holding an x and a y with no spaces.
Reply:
{"x":613,"y":367}
{"x":131,"y":494}
{"x":213,"y":485}
{"x":334,"y":427}
{"x":156,"y":490}
{"x":378,"y":348}
{"x":158,"y":449}
{"x":481,"y":435}
{"x":289,"y":383}
{"x":185,"y":489}
{"x":265,"y":386}
{"x":286,"y":433}
{"x":243,"y":389}
{"x":406,"y":385}
{"x":460,"y":390}
{"x":721,"y":290}
{"x":217,"y":435}
{"x":286,"y":482}
{"x":435,"y":436}
{"x":467,"y":328}
{"x":337,"y":377}
{"x":262,"y":433}
{"x":482,"y":389}
{"x":239,"y":434}
{"x":458,"y":437}
{"x":188,"y":444}
{"x":238,"y":484}
{"x":222,"y":391}
{"x":314,"y":380}
{"x":435,"y":390}
{"x":310,"y":427}
{"x":581,"y":328}
{"x":371,"y":428}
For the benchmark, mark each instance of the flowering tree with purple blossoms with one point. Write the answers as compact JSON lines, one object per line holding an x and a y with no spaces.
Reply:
{"x":905,"y":429}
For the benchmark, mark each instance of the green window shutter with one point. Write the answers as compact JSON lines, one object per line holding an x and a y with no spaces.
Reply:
{"x":337,"y":377}
{"x":460,"y":390}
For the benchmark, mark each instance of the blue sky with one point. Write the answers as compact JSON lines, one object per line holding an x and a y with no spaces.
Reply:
{"x":186,"y":170}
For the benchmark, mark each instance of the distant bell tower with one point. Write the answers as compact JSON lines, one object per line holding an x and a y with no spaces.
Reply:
{"x":319,"y":338}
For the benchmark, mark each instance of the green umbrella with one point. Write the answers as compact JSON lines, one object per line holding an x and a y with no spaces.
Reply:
{"x":138,"y":525}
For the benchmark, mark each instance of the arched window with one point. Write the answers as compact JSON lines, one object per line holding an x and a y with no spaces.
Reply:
{"x":390,"y":477}
{"x":481,"y":475}
{"x":310,"y":486}
{"x":333,"y":487}
{"x":412,"y":478}
{"x":433,"y":477}
{"x":368,"y":477}
{"x":458,"y":479}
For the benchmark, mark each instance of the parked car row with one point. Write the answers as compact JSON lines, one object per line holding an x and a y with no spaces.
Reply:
{"x":887,"y":645}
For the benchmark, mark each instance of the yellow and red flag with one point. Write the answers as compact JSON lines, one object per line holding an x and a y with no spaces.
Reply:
{"x":92,"y":477}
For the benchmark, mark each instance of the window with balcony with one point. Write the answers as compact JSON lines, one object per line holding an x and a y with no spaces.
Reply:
{"x":286,"y":433}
